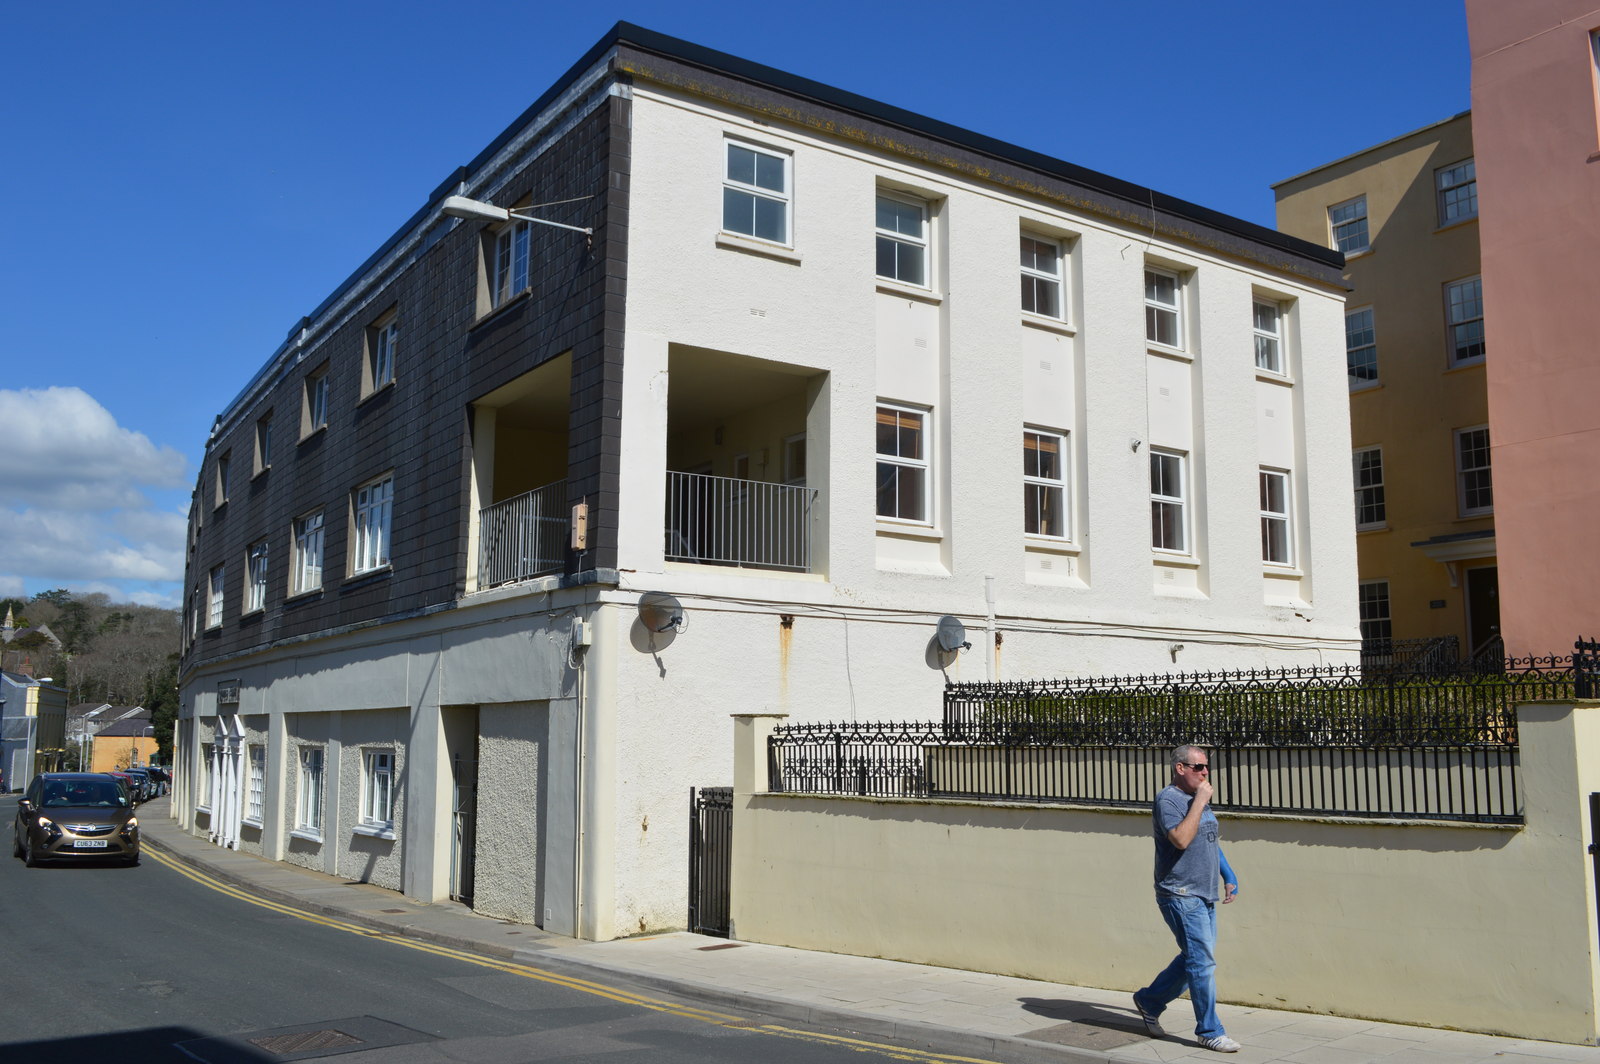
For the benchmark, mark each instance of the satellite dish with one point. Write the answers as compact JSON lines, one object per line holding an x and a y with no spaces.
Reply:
{"x":951,"y":635}
{"x":660,"y":612}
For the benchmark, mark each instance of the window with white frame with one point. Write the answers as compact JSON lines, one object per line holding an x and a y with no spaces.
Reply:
{"x":1277,"y":545}
{"x":204,"y":798}
{"x":1163,"y":317}
{"x":224,"y":468}
{"x":902,"y":464}
{"x":314,"y":406}
{"x":755,"y":193}
{"x":194,"y":613}
{"x":377,"y":789}
{"x":1457,"y":188}
{"x":1044,"y":484}
{"x":255,"y":588}
{"x":373,"y":505}
{"x":219,"y":577}
{"x":1361,"y":348}
{"x":1372,"y":598}
{"x":383,"y":337}
{"x":256,"y":793}
{"x":1266,"y":322}
{"x":1169,"y":517}
{"x":1464,"y":308}
{"x":1474,"y":483}
{"x":794,"y":459}
{"x":1348,"y":221}
{"x":264,"y":442}
{"x":513,"y":245}
{"x":308,"y":809}
{"x":1042,"y":291}
{"x":1371,"y":510}
{"x":903,"y":240}
{"x":306,"y":572}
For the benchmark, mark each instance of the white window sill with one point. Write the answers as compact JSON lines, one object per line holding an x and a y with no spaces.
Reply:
{"x":308,"y":834}
{"x":752,"y":246}
{"x":307,"y":435}
{"x":891,"y":287}
{"x":1366,"y":386}
{"x":1267,"y":376}
{"x":1040,"y":321}
{"x":908,"y":531}
{"x":1284,"y":572}
{"x":295,"y":596}
{"x":1372,"y":528}
{"x":1176,"y":354}
{"x":1465,"y":363}
{"x":263,"y":471}
{"x":1358,"y":253}
{"x":1049,"y":544}
{"x":1458,"y":223}
{"x":252,"y":822}
{"x":362,"y":574}
{"x":379,"y":390}
{"x":206,"y":809}
{"x":1176,"y":561}
{"x":376,"y":831}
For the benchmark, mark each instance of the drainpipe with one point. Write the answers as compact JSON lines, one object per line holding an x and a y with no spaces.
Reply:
{"x":988,"y":624}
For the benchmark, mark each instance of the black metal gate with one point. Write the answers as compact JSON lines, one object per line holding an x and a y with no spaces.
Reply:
{"x":710,"y":858}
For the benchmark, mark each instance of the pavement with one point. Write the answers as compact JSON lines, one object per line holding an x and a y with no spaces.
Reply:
{"x":941,"y":1010}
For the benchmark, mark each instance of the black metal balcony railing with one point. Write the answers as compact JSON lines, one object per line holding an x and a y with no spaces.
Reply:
{"x":523,"y":537}
{"x":726,"y":521}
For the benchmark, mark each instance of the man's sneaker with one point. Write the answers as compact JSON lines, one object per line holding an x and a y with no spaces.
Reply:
{"x":1151,"y":1023}
{"x":1221,"y":1044}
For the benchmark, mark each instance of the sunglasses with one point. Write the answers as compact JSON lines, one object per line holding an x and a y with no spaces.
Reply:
{"x":1201,"y":767}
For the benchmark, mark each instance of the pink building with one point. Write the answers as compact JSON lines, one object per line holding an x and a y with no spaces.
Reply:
{"x":1536,"y":126}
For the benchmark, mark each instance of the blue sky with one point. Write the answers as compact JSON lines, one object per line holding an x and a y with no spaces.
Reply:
{"x":184,"y":181}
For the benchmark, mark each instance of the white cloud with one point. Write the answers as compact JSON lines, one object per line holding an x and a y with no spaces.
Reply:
{"x":74,"y":502}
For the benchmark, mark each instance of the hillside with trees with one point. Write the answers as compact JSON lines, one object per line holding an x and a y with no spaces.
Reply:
{"x":121,"y":653}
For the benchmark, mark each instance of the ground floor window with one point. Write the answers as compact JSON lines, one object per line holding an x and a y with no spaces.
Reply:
{"x":377,"y":789}
{"x":308,"y":810}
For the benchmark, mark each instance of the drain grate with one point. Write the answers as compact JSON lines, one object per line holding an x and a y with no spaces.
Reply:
{"x":306,"y":1041}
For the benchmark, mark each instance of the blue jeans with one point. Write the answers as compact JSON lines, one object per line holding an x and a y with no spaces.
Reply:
{"x":1194,"y":924}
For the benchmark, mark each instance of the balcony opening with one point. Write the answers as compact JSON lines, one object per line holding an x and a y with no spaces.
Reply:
{"x":740,"y":462}
{"x":520,"y":515}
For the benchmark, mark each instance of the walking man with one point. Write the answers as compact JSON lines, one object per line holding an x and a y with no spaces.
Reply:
{"x":1188,"y":869}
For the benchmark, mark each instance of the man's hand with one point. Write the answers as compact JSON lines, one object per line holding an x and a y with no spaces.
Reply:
{"x":1229,"y":892}
{"x":1202,"y":793}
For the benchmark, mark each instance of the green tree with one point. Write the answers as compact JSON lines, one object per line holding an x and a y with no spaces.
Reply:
{"x":161,"y":699}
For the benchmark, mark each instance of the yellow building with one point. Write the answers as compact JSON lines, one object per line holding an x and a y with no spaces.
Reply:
{"x":124,"y":744}
{"x":1405,"y":214}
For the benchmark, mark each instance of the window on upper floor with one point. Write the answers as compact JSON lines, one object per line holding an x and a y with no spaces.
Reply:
{"x":1361,"y":348}
{"x":1044,"y":484}
{"x":1042,"y":289}
{"x":755,"y":192}
{"x":1457,"y":188}
{"x":372,"y":506}
{"x":377,"y":789}
{"x":255,"y":587}
{"x":902,"y":235}
{"x":1474,"y":483}
{"x":224,"y":468}
{"x":1348,"y":222}
{"x":1169,"y":501}
{"x":1163,"y":310}
{"x":305,"y":573}
{"x":1464,"y":311}
{"x":1371,"y":509}
{"x":377,"y":369}
{"x":219,"y":578}
{"x":794,"y":459}
{"x":1372,"y":597}
{"x":1266,"y":321}
{"x":510,"y":273}
{"x":1277,"y":541}
{"x":263,"y":460}
{"x":903,"y":485}
{"x":314,"y":404}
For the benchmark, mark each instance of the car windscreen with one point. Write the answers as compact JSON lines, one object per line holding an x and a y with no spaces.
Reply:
{"x":88,"y":794}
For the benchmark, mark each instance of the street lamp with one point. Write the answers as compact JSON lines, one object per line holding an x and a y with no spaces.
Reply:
{"x":462,"y":207}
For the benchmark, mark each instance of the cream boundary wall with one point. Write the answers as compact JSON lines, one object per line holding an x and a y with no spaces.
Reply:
{"x":1477,"y":928}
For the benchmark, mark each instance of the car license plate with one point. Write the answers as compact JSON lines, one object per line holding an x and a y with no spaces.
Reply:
{"x":92,"y":844}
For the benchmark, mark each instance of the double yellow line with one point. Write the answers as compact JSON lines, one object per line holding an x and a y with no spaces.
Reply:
{"x":720,"y":1019}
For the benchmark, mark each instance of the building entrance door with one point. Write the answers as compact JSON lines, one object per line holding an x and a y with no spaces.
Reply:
{"x":464,"y":827}
{"x":1483,"y":611}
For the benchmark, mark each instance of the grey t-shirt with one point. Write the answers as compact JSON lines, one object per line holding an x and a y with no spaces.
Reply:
{"x":1193,"y":871}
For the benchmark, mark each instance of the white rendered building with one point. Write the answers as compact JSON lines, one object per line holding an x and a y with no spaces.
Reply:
{"x":788,"y":379}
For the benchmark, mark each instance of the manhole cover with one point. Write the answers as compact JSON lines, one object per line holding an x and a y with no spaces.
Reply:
{"x":305,"y":1041}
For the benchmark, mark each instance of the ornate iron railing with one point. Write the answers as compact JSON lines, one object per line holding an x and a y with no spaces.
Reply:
{"x":727,"y":521}
{"x":523,"y":536}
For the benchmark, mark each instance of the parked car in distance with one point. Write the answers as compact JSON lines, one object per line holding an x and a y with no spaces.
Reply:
{"x":72,"y":816}
{"x":162,"y":777}
{"x":147,"y":784}
{"x":132,"y":784}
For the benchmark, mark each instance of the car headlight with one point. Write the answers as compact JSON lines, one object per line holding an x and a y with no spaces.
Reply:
{"x":133,"y":822}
